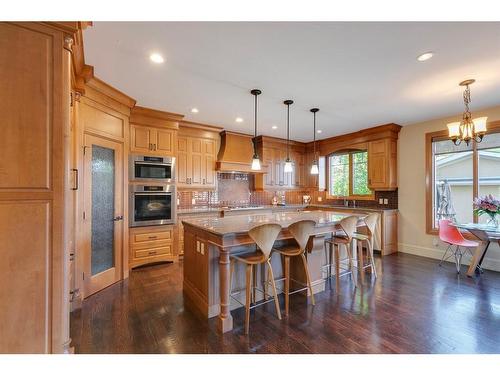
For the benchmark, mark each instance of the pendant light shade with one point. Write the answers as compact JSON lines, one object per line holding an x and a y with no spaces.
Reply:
{"x":314,"y":166}
{"x":288,"y":163}
{"x":255,"y":158}
{"x":255,"y":163}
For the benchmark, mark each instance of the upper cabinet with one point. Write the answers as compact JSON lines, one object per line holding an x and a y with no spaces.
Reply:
{"x":153,"y":132}
{"x":197,"y":147}
{"x":273,"y":154}
{"x":382,"y":164}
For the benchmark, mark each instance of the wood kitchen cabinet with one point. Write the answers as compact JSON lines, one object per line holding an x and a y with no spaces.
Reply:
{"x":36,"y":203}
{"x":196,"y":157}
{"x":151,"y":244}
{"x":382,"y":164}
{"x":152,"y":141}
{"x":273,"y":155}
{"x":153,"y":132}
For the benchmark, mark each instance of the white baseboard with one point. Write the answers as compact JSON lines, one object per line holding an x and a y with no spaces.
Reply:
{"x":438,"y":252}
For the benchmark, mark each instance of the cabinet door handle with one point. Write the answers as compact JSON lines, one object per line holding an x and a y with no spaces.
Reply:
{"x":203,"y":181}
{"x":154,"y":147}
{"x":152,"y":253}
{"x":150,"y":146}
{"x":152,"y":237}
{"x":75,"y":187}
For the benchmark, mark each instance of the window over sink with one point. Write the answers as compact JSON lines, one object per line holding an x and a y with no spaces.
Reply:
{"x":347,"y":175}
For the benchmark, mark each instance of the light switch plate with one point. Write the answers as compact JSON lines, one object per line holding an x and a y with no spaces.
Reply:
{"x":193,"y":201}
{"x":320,"y":199}
{"x":386,"y":201}
{"x":380,"y":201}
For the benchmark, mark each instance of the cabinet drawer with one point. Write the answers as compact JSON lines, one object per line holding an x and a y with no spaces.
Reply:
{"x":164,"y":250}
{"x":150,"y":244}
{"x":141,"y":237}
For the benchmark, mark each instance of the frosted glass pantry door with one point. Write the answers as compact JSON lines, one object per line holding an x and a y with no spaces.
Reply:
{"x":103,"y":218}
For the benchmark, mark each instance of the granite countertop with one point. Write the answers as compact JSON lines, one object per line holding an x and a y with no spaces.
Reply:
{"x":207,"y":209}
{"x":243,"y":223}
{"x":367,"y":209}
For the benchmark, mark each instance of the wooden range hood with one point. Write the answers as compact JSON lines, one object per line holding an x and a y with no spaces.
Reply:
{"x":235,"y":153}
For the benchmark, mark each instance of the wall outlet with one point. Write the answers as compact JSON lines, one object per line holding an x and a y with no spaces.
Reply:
{"x":320,"y":199}
{"x":386,"y":201}
{"x":193,"y":201}
{"x":380,"y":201}
{"x":435,"y":241}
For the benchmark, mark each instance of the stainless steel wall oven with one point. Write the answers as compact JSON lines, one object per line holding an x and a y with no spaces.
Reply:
{"x":152,"y":205}
{"x":152,"y":169}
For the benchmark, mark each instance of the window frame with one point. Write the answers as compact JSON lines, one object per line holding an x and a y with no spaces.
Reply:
{"x":493,"y":127}
{"x":351,"y":195}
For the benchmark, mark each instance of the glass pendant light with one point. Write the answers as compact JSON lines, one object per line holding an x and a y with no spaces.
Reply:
{"x":288,"y":162}
{"x":314,"y":166}
{"x":255,"y":158}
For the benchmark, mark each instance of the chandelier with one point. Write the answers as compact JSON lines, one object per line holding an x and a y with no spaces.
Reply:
{"x":468,"y":129}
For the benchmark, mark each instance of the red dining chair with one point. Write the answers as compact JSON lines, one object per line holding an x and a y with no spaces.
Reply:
{"x":452,"y":236}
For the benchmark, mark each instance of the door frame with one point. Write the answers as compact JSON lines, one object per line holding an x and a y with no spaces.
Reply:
{"x":93,"y":284}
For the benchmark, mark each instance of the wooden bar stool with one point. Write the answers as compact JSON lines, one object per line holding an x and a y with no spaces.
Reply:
{"x":370,"y":223}
{"x":348,"y":227}
{"x":301,"y":231}
{"x":264,"y":237}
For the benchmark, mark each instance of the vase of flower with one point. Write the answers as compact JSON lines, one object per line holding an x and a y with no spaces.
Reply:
{"x":488,"y":205}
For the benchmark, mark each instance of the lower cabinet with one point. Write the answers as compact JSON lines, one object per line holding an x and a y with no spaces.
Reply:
{"x":151,"y":244}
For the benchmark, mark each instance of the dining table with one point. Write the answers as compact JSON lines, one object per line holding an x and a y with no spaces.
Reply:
{"x":486,"y":234}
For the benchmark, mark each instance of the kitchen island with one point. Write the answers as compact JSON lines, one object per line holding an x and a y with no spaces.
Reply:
{"x":209,"y":241}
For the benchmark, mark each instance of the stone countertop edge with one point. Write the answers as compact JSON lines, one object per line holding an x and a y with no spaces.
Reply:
{"x":191,"y":211}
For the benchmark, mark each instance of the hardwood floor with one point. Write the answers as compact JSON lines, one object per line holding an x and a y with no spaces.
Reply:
{"x":413,"y":307}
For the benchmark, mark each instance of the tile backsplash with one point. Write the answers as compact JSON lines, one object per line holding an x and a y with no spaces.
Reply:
{"x":236,"y":189}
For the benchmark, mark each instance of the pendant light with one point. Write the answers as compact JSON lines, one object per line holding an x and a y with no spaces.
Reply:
{"x":314,"y":166}
{"x":468,"y":129}
{"x":255,"y":158}
{"x":288,"y":162}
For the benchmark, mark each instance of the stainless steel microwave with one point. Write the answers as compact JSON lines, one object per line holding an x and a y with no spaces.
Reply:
{"x":152,"y":205}
{"x":152,"y":169}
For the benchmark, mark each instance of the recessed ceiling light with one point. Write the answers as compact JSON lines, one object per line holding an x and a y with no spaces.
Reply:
{"x":156,"y":58}
{"x":319,"y":131}
{"x":238,"y":119}
{"x":194,"y":110}
{"x":274,"y":127}
{"x":425,"y":56}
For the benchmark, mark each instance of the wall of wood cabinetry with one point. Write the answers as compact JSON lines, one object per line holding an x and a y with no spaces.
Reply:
{"x":35,"y":80}
{"x":197,"y":147}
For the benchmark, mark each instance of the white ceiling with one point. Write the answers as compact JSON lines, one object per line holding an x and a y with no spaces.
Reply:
{"x":358,"y":74}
